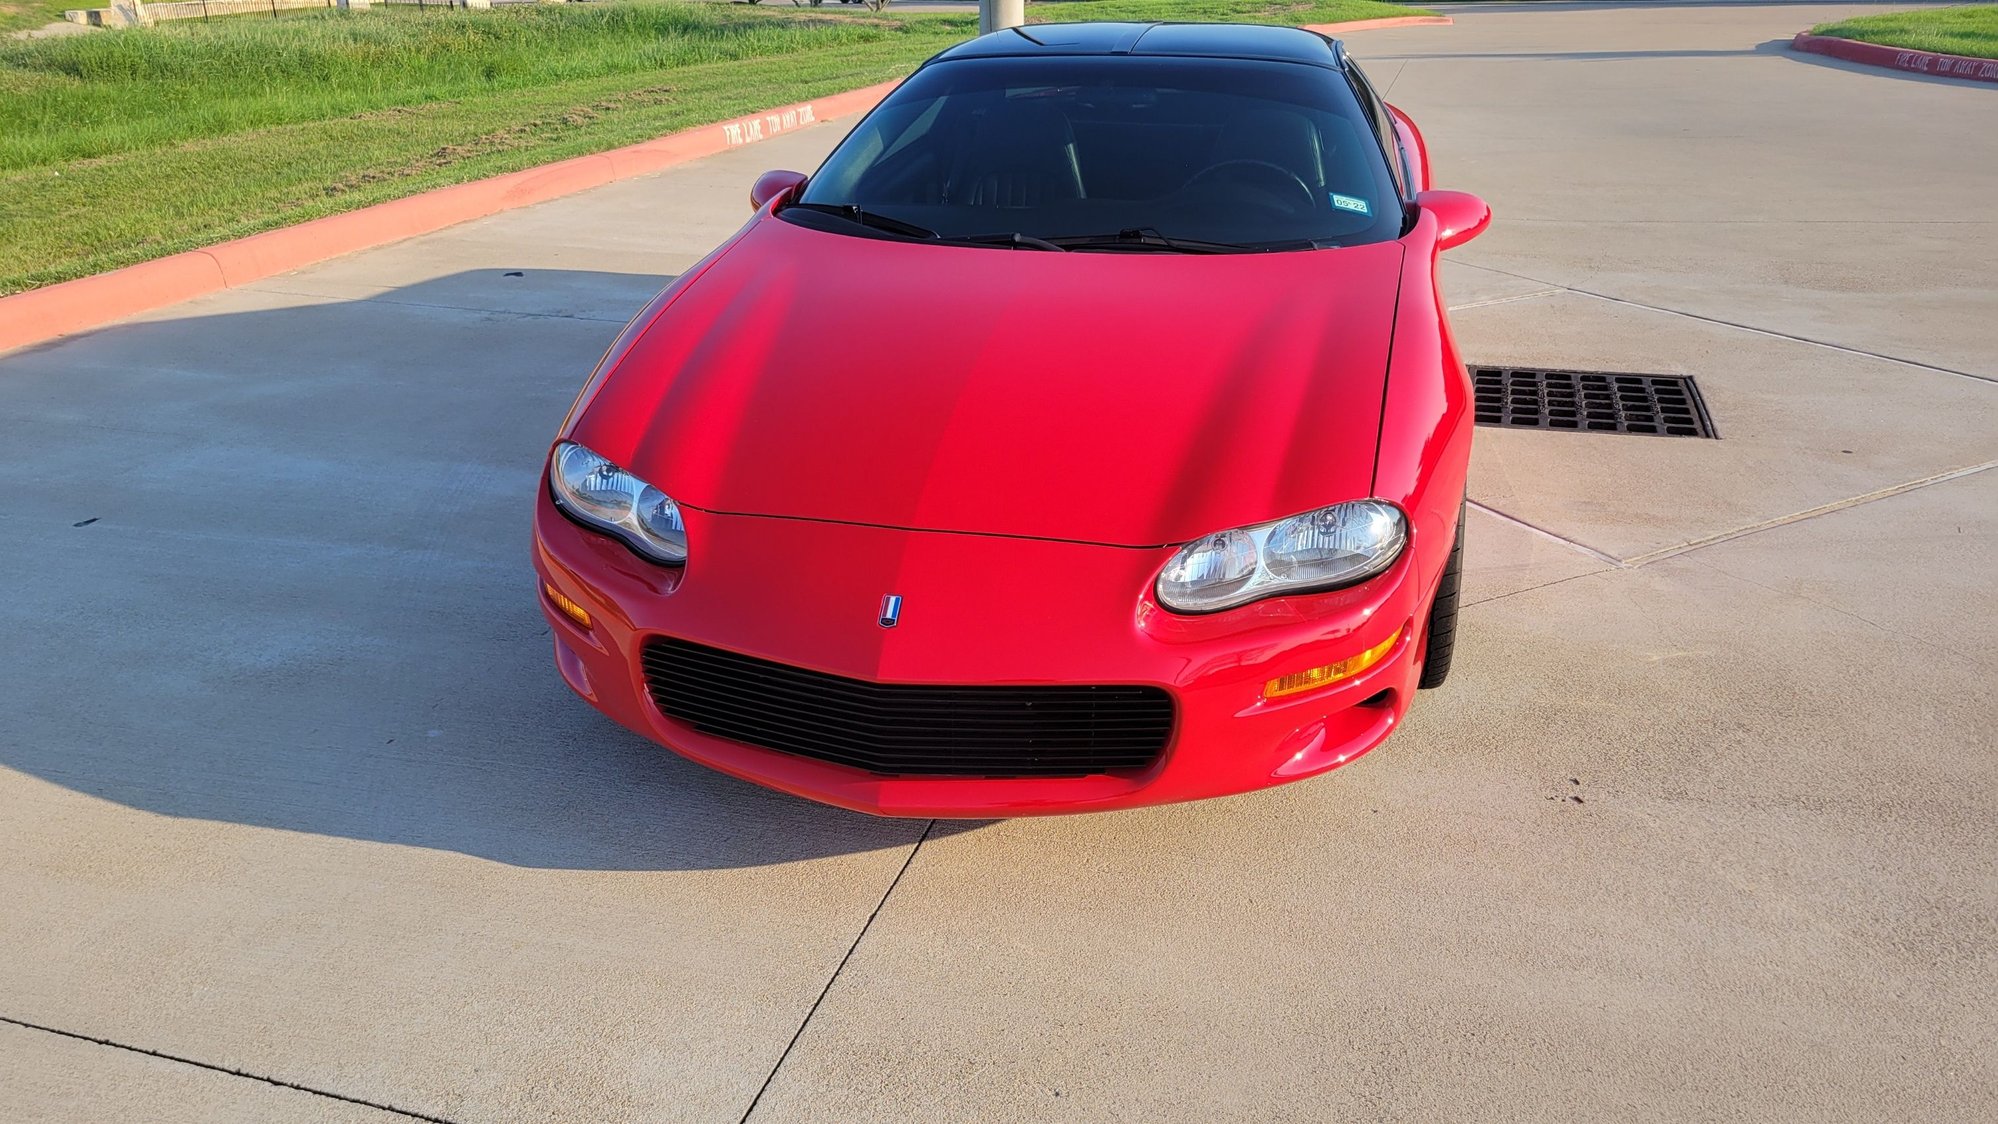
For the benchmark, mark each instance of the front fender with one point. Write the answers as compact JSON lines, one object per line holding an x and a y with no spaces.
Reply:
{"x":1424,"y":458}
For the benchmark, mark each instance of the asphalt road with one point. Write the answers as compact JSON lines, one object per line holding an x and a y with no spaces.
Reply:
{"x":1700,"y":830}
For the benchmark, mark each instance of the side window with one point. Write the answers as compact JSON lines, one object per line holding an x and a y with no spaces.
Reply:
{"x":1383,"y":126}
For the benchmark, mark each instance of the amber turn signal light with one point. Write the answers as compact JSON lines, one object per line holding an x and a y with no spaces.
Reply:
{"x":1331,"y":673}
{"x":567,"y":607}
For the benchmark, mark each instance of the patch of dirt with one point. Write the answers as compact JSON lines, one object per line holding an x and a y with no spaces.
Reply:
{"x":55,"y":28}
{"x":802,"y":20}
{"x":390,"y":113}
{"x":502,"y":140}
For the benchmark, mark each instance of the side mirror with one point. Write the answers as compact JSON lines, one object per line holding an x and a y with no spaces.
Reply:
{"x":1460,"y":216}
{"x":771,"y":185}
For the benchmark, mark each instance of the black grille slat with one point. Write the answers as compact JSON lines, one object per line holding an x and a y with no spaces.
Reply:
{"x":1049,"y":741}
{"x":899,"y":705}
{"x":888,"y":702}
{"x":901,"y":729}
{"x":945,"y":718}
{"x":1590,"y":402}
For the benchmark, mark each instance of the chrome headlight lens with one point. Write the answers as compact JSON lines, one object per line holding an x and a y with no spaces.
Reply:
{"x":1324,"y":549}
{"x":602,"y":496}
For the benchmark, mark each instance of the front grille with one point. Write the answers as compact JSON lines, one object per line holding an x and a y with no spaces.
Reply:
{"x":905,"y":729}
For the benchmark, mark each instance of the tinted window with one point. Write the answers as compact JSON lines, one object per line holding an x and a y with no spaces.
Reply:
{"x":1251,"y":154}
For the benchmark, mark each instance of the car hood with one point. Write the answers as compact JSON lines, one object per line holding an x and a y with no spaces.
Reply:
{"x":1132,"y":399}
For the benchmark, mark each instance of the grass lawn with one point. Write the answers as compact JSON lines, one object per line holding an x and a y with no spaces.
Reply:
{"x":1971,"y":30}
{"x":119,"y":146}
{"x":19,"y":15}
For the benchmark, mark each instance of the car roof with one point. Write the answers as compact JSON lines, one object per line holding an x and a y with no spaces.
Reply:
{"x":1263,"y":42}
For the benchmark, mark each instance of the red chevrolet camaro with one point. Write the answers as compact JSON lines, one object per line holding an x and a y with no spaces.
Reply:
{"x":1086,"y":432}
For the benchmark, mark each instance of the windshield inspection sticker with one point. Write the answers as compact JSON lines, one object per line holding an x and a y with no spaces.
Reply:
{"x":1348,"y":203}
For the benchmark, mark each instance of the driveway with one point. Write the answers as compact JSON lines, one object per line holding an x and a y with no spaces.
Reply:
{"x":301,"y":824}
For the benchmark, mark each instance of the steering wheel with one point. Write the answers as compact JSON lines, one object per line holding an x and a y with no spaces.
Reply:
{"x":1285,"y":189}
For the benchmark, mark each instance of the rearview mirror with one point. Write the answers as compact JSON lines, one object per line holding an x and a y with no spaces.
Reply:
{"x":1460,"y":216}
{"x":771,"y":185}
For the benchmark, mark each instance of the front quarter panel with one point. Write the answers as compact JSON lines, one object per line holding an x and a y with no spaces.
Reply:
{"x":1425,"y":447}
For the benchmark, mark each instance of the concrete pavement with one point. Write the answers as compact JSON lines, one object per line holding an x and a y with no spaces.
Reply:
{"x":1701,"y":828}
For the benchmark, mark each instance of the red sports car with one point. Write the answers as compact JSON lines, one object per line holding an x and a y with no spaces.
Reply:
{"x":1086,"y":432}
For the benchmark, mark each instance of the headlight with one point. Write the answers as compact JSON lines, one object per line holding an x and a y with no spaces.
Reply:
{"x":1324,"y":549}
{"x":600,"y":495}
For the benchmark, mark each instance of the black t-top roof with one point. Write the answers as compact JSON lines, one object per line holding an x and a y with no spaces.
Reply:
{"x":1193,"y":40}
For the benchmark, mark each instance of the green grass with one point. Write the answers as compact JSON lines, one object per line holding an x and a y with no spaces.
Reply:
{"x":120,"y":146}
{"x":1971,"y":30}
{"x":1214,"y":11}
{"x":20,"y":15}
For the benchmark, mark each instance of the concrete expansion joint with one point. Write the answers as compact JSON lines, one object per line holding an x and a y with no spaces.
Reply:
{"x":1808,"y":513}
{"x":1531,"y":588}
{"x":1537,"y":293}
{"x":837,"y":969}
{"x":1829,"y":346}
{"x":1635,"y":561}
{"x":1576,"y":545}
{"x":1555,"y":286}
{"x":211,"y":1067}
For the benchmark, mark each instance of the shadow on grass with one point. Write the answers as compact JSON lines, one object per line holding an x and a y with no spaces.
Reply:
{"x":276,"y":571}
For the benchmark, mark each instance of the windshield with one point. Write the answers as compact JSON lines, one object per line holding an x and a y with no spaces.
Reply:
{"x":1112,"y":152}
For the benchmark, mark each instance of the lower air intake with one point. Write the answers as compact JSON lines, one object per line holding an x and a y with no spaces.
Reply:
{"x":905,"y":729}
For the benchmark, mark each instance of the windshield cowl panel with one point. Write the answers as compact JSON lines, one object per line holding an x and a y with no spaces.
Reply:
{"x":1112,"y":154}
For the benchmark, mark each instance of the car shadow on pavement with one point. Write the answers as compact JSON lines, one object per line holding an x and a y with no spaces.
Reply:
{"x":273,"y":570}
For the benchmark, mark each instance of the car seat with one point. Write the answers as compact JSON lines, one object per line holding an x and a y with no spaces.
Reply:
{"x":1023,"y":158}
{"x":1282,"y":137}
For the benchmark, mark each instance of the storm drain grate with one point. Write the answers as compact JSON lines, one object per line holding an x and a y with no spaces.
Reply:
{"x":1590,"y":401}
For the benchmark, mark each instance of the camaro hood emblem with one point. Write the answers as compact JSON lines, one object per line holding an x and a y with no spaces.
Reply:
{"x":891,"y":610}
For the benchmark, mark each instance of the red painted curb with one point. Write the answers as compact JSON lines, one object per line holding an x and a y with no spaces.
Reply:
{"x":1896,"y":58}
{"x":1375,"y":25}
{"x":87,"y":302}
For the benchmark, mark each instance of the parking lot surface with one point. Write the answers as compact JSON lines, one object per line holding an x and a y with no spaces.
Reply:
{"x":1700,"y":829}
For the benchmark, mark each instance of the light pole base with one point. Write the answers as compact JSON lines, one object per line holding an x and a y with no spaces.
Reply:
{"x":997,"y":15}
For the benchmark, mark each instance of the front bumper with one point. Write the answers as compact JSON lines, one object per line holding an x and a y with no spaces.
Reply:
{"x":986,"y":610}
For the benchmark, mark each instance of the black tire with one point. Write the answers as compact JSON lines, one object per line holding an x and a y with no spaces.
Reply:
{"x":1441,"y":639}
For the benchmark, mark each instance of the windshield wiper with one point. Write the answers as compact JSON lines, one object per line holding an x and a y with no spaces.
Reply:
{"x":867,"y":218}
{"x":1146,"y":238}
{"x":1014,"y":239}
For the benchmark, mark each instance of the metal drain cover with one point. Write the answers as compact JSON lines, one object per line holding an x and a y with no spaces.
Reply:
{"x":1590,"y":401}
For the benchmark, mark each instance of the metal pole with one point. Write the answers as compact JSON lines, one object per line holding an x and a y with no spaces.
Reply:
{"x":996,"y":15}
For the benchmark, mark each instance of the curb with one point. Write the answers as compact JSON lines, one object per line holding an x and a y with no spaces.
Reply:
{"x":88,"y":302}
{"x":1376,"y":25}
{"x":43,"y":314}
{"x":1895,"y":58}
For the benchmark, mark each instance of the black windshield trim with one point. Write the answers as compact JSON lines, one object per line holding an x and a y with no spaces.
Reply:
{"x":807,"y":218}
